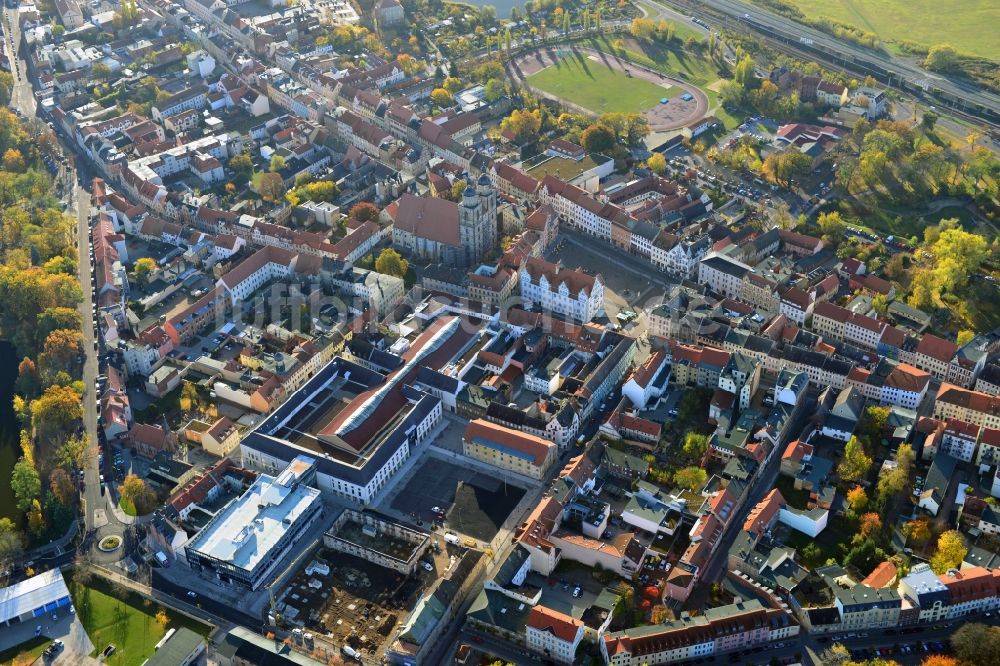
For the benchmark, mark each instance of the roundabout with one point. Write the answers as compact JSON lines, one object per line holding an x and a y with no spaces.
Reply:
{"x":595,"y":82}
{"x":110,"y":544}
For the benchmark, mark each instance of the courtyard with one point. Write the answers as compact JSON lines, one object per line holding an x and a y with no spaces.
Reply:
{"x":473,"y":503}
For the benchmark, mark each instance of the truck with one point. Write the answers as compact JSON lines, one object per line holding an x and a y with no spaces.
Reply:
{"x":351,"y":652}
{"x":451,"y":538}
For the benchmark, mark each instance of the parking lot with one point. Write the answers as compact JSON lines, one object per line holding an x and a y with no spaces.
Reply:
{"x":469,"y":501}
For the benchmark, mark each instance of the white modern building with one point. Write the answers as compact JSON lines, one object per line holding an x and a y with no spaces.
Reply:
{"x":245,"y":542}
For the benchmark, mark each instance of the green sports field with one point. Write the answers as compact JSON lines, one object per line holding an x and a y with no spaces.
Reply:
{"x":968,"y":25}
{"x":595,"y":86}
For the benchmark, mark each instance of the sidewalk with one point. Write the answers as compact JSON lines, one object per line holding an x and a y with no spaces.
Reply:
{"x":57,"y":547}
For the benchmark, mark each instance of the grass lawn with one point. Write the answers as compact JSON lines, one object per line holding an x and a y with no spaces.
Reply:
{"x":26,"y":653}
{"x":129,"y":624}
{"x":887,"y":219}
{"x":595,"y":86}
{"x":961,"y":23}
{"x":981,"y":307}
{"x":838,"y":531}
{"x":697,"y":71}
{"x":128,"y":507}
{"x":682,"y":30}
{"x":566,"y":169}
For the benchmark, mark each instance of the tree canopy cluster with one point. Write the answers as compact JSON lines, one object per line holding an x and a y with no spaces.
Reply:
{"x":39,"y":296}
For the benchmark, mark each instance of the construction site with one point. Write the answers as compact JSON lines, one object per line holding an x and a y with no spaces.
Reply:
{"x":341,"y":600}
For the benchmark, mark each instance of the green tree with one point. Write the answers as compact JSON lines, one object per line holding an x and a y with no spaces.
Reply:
{"x":964,"y":337}
{"x":951,"y":551}
{"x":643,"y":28}
{"x":26,"y":484}
{"x":743,"y":73}
{"x":101,"y":71}
{"x":241,"y":164}
{"x":277,"y":163}
{"x":695,"y":444}
{"x":390,"y":262}
{"x":6,"y":87}
{"x":597,"y":139}
{"x":942,"y":58}
{"x":692,"y":478}
{"x":494,"y":90}
{"x":11,"y":543}
{"x":452,"y":85}
{"x":896,"y":480}
{"x":143,"y":267}
{"x":856,"y":462}
{"x":976,"y":643}
{"x":873,"y":424}
{"x":54,"y":412}
{"x":864,"y":557}
{"x":441,"y":97}
{"x":75,"y":453}
{"x":781,"y":167}
{"x":657,"y":163}
{"x":928,"y":120}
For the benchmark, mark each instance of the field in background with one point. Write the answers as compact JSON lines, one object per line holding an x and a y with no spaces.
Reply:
{"x":968,"y":25}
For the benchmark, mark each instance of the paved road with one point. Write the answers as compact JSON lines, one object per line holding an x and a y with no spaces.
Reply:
{"x":97,"y":515}
{"x":22,"y":96}
{"x":177,"y":595}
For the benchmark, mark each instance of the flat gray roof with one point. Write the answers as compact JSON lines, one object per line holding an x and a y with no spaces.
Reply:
{"x":43,"y":593}
{"x":250,"y":526}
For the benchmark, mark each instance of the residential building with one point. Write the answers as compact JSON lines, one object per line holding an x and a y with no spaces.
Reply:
{"x":508,"y":449}
{"x":554,"y":635}
{"x":738,"y":626}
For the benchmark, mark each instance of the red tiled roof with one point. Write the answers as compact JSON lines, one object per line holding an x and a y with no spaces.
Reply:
{"x":762,"y":515}
{"x":532,"y":445}
{"x":797,"y":450}
{"x":426,"y":217}
{"x":560,"y":625}
{"x":936,"y":348}
{"x":647,"y":371}
{"x":882,"y":576}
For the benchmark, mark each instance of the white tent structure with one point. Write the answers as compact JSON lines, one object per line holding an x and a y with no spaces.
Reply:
{"x":34,"y":597}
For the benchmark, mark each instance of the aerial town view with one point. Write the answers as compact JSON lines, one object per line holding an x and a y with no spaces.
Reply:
{"x":499,"y":333}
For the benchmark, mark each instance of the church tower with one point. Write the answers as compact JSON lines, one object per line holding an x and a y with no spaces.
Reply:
{"x":477,"y":219}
